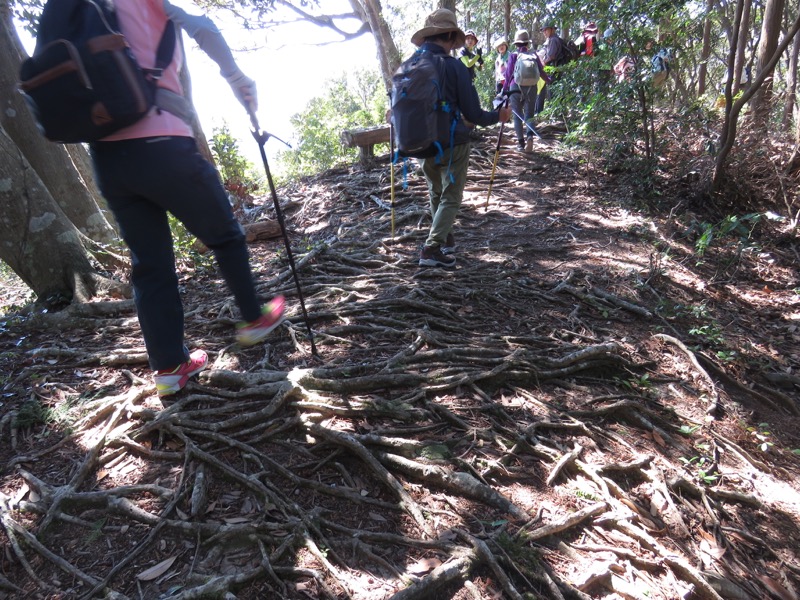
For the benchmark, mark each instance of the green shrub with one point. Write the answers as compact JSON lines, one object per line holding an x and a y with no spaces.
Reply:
{"x":353,"y":100}
{"x":239,"y":177}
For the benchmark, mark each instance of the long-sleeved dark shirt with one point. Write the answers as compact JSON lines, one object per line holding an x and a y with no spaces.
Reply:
{"x":461,"y":94}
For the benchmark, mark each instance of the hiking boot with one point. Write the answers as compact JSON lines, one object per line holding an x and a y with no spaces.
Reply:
{"x":171,"y":381}
{"x":249,"y":334}
{"x":432,"y":256}
{"x":529,"y":144}
{"x":520,"y":147}
{"x":449,"y":246}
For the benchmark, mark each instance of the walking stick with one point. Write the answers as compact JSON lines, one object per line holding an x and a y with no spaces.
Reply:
{"x":391,"y":171}
{"x":528,"y":125}
{"x":496,"y":155}
{"x":261,"y":138}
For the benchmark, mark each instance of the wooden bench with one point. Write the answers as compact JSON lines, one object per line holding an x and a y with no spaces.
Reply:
{"x":365,"y":140}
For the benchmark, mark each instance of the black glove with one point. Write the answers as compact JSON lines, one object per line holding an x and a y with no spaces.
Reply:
{"x":479,"y":51}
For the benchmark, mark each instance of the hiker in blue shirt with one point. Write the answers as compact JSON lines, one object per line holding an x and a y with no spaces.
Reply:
{"x":447,"y":175}
{"x":549,"y":53}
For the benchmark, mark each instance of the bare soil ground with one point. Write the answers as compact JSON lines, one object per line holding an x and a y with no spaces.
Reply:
{"x":583,"y":408}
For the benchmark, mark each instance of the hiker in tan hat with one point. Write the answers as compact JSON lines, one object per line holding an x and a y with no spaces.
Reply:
{"x":446,"y":170}
{"x":523,"y":72}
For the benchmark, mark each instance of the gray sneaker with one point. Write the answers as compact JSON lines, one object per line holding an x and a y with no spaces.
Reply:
{"x":449,"y":246}
{"x":432,"y":256}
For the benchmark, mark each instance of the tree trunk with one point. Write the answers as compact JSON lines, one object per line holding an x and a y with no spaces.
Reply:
{"x":388,"y":55}
{"x":791,"y":85}
{"x":705,"y":53}
{"x":39,"y":242}
{"x":52,"y":162}
{"x":83,"y":164}
{"x":489,"y":42}
{"x":770,"y":33}
{"x":741,"y":46}
{"x":732,"y":109}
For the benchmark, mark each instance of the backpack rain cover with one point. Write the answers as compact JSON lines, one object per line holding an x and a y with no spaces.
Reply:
{"x":526,"y":70}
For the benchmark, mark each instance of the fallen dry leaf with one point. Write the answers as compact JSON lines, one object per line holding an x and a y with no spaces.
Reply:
{"x":776,"y":588}
{"x":423,"y":566}
{"x":157,"y":570}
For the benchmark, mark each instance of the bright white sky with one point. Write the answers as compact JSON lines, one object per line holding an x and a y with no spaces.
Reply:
{"x":290,"y":65}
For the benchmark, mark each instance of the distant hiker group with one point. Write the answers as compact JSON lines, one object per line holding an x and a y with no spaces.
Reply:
{"x":434,"y":106}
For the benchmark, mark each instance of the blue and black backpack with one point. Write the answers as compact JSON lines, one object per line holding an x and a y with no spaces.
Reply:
{"x":421,"y":115}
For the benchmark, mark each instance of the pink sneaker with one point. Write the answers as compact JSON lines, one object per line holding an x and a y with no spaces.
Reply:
{"x":171,"y":381}
{"x":249,"y":334}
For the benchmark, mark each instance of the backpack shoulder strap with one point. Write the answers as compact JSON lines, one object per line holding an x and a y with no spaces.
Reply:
{"x":165,"y":51}
{"x":166,"y":44}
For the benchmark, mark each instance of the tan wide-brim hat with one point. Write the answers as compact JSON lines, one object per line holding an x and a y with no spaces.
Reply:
{"x":439,"y":21}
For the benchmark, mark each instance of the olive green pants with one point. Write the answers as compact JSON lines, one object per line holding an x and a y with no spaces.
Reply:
{"x":446,"y":181}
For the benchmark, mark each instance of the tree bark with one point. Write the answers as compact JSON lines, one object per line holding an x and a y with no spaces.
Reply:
{"x":741,"y":47}
{"x":732,"y":109}
{"x":388,"y":56}
{"x":770,"y":33}
{"x":705,"y":53}
{"x":38,"y":242}
{"x":791,"y":85}
{"x":52,"y":162}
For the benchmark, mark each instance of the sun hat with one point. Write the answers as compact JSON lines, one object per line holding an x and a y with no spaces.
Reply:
{"x":522,"y":37}
{"x":608,"y":33}
{"x":469,"y":32}
{"x":549,"y":26}
{"x":439,"y":21}
{"x":590,"y":28}
{"x":500,"y":42}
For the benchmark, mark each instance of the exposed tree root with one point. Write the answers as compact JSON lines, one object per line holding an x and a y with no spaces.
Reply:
{"x":483,"y":432}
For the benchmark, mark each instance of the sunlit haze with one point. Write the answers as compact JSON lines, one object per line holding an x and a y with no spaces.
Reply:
{"x":290,"y":64}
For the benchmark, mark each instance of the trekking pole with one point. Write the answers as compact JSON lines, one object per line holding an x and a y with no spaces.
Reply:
{"x":496,"y":155}
{"x":261,"y":138}
{"x":391,"y":172}
{"x":528,"y":125}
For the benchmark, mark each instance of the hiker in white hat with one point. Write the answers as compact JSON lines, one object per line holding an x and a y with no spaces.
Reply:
{"x":500,"y":63}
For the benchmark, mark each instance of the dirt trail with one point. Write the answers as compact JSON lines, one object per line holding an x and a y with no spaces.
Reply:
{"x":583,"y":408}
